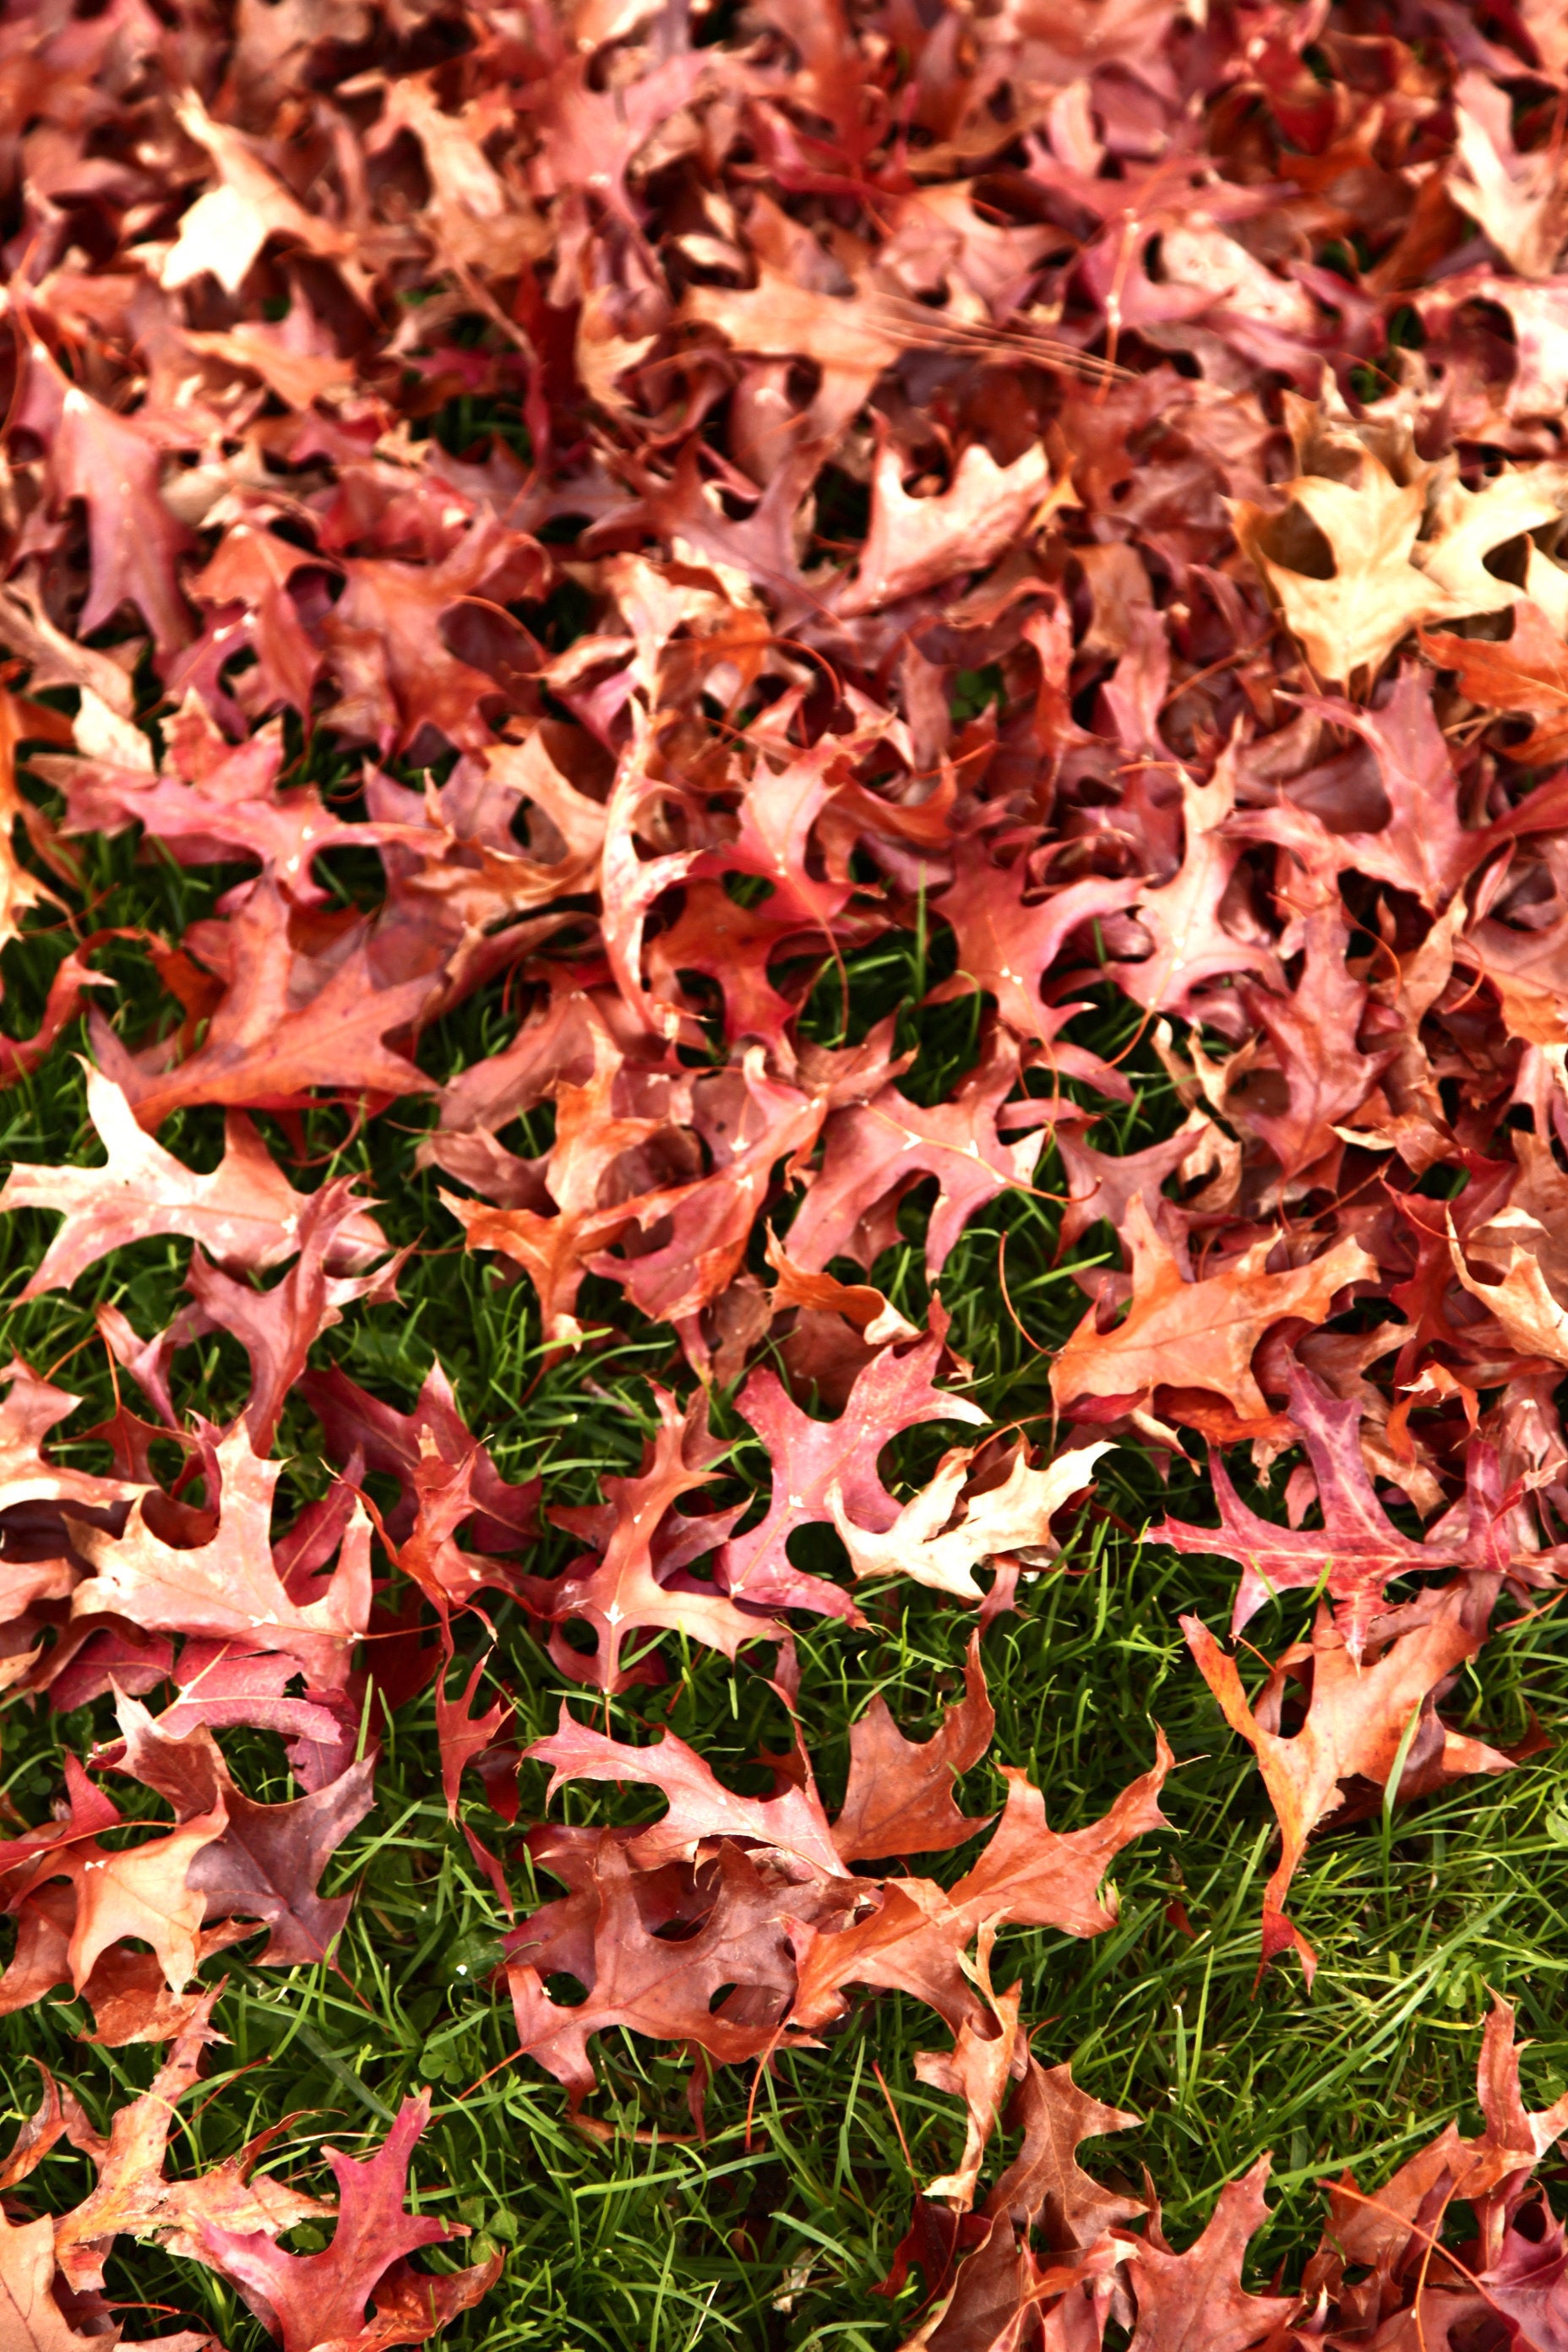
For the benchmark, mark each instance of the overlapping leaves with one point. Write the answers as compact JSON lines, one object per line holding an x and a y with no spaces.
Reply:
{"x":544,"y":485}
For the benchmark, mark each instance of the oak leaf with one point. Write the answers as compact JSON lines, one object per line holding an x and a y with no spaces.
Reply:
{"x":1044,"y":2187}
{"x":976,"y":2070}
{"x":384,"y":640}
{"x":266,"y":1865}
{"x":1466,"y":527}
{"x":1028,"y":1875}
{"x":701,"y":1807}
{"x":812,"y":1462}
{"x":656,"y":1985}
{"x":1177,"y":2294}
{"x":1483,"y":2171}
{"x":1353,"y":1555}
{"x":898,"y":1798}
{"x":222,"y":1683}
{"x":850,"y":341}
{"x":229,"y":1588}
{"x":30,"y":1409}
{"x":1006,"y":944}
{"x":1013,"y":1517}
{"x":1035,"y":1877}
{"x":1517,"y":199}
{"x":1191,"y":943}
{"x":264,"y":1050}
{"x":1524,"y":675}
{"x":910,"y":1940}
{"x":226,"y":228}
{"x":1357,"y":1718}
{"x":113,"y":467}
{"x":32,"y":2319}
{"x":134,"y":2198}
{"x":999,"y":2291}
{"x":245,"y":1213}
{"x":1100,"y":1184}
{"x":214,"y":800}
{"x":1350,"y":620}
{"x":1206,"y":1329}
{"x":1313,"y":1032}
{"x":1532,"y":1318}
{"x":621,"y":1593}
{"x":876,"y":1151}
{"x":1423,"y":846}
{"x":142,"y":1890}
{"x":915,"y":543}
{"x":279,"y":1326}
{"x":314,"y":2300}
{"x":505,"y":1515}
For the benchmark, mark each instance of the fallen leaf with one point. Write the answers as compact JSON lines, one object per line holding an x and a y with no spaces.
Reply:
{"x":229,"y":1588}
{"x":1014,"y":1516}
{"x":1357,"y":1717}
{"x":1171,"y":2289}
{"x":1352,"y":1557}
{"x":1207,"y":1329}
{"x":916,"y":543}
{"x":245,"y":1214}
{"x":900,"y":1795}
{"x":311,"y":2300}
{"x":132,"y":2196}
{"x":1350,"y":619}
{"x":1044,"y":2187}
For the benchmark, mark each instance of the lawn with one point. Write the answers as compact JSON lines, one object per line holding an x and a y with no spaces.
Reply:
{"x":781,"y":2224}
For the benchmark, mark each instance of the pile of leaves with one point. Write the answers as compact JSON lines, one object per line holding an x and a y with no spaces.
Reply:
{"x":757,"y":623}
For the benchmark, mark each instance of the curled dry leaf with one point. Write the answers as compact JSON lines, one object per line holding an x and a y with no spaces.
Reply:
{"x":246,"y":1213}
{"x":1360,"y":1715}
{"x":1206,"y":1330}
{"x":1014,"y":1516}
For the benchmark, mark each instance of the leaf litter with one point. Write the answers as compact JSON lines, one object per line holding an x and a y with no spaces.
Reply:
{"x":506,"y":511}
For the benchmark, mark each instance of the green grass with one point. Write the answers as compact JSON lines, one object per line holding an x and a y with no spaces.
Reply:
{"x":775,"y":2231}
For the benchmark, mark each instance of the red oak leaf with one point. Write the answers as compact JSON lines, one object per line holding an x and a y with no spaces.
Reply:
{"x":309,"y":2300}
{"x":1014,"y":1516}
{"x":216,"y":801}
{"x":229,"y":1588}
{"x":245,"y":1214}
{"x":1205,"y":1331}
{"x":900,"y":1794}
{"x":622,"y":1593}
{"x":397,"y":1444}
{"x":32,"y":2318}
{"x":977,"y":2070}
{"x":655,"y":1986}
{"x":1044,"y":2187}
{"x":1356,"y":1722}
{"x":132,"y":2196}
{"x":874,"y":1151}
{"x":265,"y":1049}
{"x":701,"y":1807}
{"x":142,"y":1890}
{"x":812,"y":1459}
{"x":1487,"y":2173}
{"x":914,"y":543}
{"x":1191,"y":944}
{"x":113,"y":467}
{"x":1201,"y":2289}
{"x":383,"y":639}
{"x":277,"y":1327}
{"x":265,"y":1863}
{"x":1353,"y":1555}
